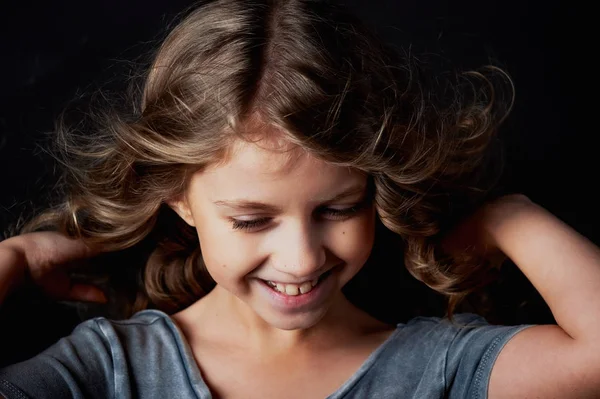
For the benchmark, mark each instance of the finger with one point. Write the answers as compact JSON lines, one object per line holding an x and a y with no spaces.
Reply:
{"x":86,"y":293}
{"x":57,"y":249}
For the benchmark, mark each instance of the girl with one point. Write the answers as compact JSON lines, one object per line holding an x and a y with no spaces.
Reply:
{"x":272,"y":143}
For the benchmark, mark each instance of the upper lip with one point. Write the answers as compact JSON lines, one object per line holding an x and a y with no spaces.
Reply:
{"x":305,"y":280}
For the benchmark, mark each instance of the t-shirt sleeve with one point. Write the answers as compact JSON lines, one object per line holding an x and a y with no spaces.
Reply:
{"x":77,"y":366}
{"x":472,"y":354}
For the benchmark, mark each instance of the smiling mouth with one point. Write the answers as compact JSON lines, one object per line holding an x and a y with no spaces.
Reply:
{"x":297,"y":289}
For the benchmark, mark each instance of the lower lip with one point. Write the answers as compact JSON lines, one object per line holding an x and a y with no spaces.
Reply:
{"x":300,"y":301}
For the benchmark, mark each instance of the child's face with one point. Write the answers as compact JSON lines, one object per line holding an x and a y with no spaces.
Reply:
{"x":265,"y":218}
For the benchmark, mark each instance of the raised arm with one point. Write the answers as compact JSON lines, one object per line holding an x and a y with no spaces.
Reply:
{"x":12,"y":269}
{"x":43,"y":258}
{"x":551,"y":361}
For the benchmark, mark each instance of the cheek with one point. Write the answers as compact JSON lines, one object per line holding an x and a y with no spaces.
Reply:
{"x":225,"y":254}
{"x":354,"y":239}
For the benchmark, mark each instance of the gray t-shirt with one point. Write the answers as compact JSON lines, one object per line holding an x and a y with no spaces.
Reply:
{"x":148,"y":357}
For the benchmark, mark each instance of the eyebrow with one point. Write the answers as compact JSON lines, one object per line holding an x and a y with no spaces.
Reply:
{"x":242,"y":204}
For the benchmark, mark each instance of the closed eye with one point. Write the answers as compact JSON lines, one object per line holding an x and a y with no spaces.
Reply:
{"x":249,"y":224}
{"x":340,"y":214}
{"x":327,"y":213}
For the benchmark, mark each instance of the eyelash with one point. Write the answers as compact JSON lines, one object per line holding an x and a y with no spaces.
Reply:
{"x":335,"y":214}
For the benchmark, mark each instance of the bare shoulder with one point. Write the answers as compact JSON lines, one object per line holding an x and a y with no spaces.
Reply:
{"x":545,"y":362}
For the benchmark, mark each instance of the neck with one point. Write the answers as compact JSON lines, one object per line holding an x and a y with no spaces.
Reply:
{"x":222,"y":317}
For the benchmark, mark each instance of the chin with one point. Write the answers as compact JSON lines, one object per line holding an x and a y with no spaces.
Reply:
{"x":292,"y":322}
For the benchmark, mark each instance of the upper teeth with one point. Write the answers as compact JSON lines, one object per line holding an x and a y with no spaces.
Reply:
{"x":294,"y":289}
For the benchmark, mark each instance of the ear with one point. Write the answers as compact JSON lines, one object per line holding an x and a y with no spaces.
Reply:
{"x":182,"y":208}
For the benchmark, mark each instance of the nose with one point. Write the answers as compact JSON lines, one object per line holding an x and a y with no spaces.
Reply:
{"x":299,"y":251}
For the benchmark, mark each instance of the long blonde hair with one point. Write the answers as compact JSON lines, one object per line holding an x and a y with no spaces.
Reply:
{"x":316,"y":73}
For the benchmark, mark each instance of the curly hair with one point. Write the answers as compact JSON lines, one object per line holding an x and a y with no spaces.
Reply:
{"x":313,"y":71}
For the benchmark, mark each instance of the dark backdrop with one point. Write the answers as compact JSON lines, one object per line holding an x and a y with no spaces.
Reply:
{"x":52,"y":52}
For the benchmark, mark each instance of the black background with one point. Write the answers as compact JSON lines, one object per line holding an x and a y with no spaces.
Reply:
{"x":52,"y":52}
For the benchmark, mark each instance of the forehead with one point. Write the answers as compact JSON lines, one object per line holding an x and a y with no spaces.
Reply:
{"x":274,"y":159}
{"x":275,"y":167}
{"x":273,"y":156}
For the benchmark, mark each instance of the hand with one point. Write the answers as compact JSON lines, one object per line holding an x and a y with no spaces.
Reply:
{"x":45,"y":257}
{"x":475,"y":233}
